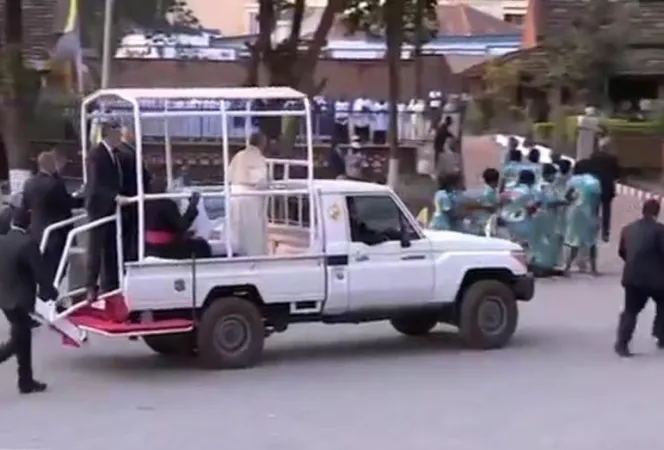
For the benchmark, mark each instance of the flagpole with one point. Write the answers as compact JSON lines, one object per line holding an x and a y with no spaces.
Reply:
{"x":106,"y":50}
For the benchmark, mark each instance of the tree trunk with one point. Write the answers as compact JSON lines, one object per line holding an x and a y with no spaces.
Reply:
{"x":12,"y":102}
{"x":394,"y":32}
{"x":418,"y":65}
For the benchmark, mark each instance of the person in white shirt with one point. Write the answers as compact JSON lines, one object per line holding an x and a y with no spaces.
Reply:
{"x":248,"y":216}
{"x":380,"y":121}
{"x":341,"y":115}
{"x":361,"y":118}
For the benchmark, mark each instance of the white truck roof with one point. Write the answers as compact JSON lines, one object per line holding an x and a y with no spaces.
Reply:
{"x":231,"y":93}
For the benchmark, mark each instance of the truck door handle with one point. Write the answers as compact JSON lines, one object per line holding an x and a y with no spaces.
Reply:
{"x":412,"y":257}
{"x":361,"y":258}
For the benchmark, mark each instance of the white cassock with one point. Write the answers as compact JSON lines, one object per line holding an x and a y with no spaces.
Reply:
{"x":248,"y":215}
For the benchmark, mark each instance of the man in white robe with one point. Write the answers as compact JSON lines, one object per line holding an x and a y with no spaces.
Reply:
{"x":248,"y":172}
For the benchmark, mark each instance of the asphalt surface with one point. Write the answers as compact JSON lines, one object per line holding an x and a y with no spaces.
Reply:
{"x":558,"y":386}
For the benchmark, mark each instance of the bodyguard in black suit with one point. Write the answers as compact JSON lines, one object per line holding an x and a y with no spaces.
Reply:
{"x":130,"y":189}
{"x":642,"y":250}
{"x":45,"y":196}
{"x":21,"y":272}
{"x":102,"y":194}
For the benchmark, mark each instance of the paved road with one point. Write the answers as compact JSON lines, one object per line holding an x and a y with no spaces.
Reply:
{"x":358,"y":387}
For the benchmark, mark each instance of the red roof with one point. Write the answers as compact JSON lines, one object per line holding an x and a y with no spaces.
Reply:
{"x":463,"y":20}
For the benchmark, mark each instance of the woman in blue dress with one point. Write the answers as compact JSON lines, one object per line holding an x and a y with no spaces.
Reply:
{"x":560,"y":189}
{"x":446,"y":209}
{"x":584,"y":193}
{"x":517,"y":213}
{"x":480,"y":204}
{"x":544,"y":243}
{"x":533,"y":164}
{"x":511,"y":169}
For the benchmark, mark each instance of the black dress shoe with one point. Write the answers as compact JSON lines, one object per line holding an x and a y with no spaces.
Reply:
{"x":33,"y":387}
{"x":622,"y":351}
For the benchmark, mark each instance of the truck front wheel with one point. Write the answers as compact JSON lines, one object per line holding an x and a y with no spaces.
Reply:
{"x":414,"y":325}
{"x":488,"y":315}
{"x":231,"y":334}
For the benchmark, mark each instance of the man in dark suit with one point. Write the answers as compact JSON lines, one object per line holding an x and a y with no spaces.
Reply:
{"x":45,"y":196}
{"x":605,"y":167}
{"x":642,"y":250}
{"x":21,"y":272}
{"x":103,"y":193}
{"x":130,"y":189}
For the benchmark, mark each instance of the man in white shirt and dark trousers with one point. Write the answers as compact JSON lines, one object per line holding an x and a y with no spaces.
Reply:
{"x":380,"y":121}
{"x":341,"y":115}
{"x":362,"y":118}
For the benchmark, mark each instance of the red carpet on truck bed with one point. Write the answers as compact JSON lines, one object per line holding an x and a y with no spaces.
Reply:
{"x":114,"y":319}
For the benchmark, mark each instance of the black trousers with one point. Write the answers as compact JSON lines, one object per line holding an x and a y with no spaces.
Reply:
{"x":102,"y":259}
{"x":130,"y":233}
{"x":53,"y":252}
{"x":605,"y":213}
{"x":19,"y":344}
{"x":636,"y":299}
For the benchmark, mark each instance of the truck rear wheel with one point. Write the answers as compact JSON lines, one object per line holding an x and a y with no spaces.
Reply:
{"x":180,"y":344}
{"x":231,"y":334}
{"x":488,"y":315}
{"x":414,"y":325}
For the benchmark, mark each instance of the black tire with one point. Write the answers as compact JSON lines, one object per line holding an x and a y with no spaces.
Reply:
{"x":230,"y":315}
{"x":180,"y":344}
{"x":414,"y":325}
{"x":488,"y":301}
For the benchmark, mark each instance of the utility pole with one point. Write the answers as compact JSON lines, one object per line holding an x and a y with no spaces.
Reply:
{"x":107,"y":58}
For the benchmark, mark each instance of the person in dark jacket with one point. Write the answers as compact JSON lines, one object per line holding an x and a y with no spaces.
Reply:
{"x":45,"y":196}
{"x":21,"y":273}
{"x":443,"y":134}
{"x":642,"y":249}
{"x":103,"y":192}
{"x":604,"y":165}
{"x":127,"y":154}
{"x":167,"y":231}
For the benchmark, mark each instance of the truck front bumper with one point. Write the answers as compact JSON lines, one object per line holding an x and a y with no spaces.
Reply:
{"x":524,"y":287}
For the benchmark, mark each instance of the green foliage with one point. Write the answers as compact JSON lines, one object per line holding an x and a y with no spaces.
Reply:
{"x":590,"y":50}
{"x":370,"y":17}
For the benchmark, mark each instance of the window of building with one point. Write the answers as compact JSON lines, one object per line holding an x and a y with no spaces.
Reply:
{"x":514,"y":19}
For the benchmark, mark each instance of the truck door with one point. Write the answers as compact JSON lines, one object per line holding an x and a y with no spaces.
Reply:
{"x":390,"y":261}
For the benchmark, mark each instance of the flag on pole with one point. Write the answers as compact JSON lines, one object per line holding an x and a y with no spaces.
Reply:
{"x":67,"y":53}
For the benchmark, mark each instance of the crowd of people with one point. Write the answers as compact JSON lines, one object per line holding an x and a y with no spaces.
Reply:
{"x":556,"y":210}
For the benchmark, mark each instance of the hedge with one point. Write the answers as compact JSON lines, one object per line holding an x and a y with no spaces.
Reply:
{"x":543,"y":131}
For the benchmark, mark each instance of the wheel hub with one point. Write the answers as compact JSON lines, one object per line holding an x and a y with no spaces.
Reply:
{"x":231,"y":334}
{"x":492,"y":316}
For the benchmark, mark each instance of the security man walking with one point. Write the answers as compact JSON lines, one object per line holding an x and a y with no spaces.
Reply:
{"x":21,"y":272}
{"x":642,"y":250}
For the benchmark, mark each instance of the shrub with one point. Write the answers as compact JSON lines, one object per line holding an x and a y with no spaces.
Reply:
{"x":543,"y":131}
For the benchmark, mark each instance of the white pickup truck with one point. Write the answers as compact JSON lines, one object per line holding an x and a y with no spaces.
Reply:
{"x":365,"y":259}
{"x":330,"y":251}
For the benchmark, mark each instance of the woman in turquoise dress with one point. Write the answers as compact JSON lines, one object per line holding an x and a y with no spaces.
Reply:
{"x":446,"y":209}
{"x":560,"y":188}
{"x":584,"y":193}
{"x":517,"y":213}
{"x":544,"y":243}
{"x":533,"y":164}
{"x":511,"y":169}
{"x":479,"y":205}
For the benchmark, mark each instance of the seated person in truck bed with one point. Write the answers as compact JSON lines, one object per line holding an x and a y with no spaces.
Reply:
{"x":166,"y":230}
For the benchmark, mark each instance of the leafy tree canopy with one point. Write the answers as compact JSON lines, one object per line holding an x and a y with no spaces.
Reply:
{"x":371,"y":17}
